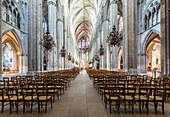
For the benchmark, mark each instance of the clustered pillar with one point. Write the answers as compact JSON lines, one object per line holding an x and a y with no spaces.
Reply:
{"x":0,"y":38}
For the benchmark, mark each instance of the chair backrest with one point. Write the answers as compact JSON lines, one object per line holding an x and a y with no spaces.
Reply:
{"x":159,"y":94}
{"x":28,"y":92}
{"x":2,"y":93}
{"x":13,"y":92}
{"x":42,"y":91}
{"x":5,"y":78}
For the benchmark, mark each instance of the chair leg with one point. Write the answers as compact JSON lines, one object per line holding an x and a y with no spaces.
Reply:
{"x":140,"y":107}
{"x":23,"y":107}
{"x":2,"y":107}
{"x":118,"y":107}
{"x":51,"y":103}
{"x":105,"y":101}
{"x":155,"y":105}
{"x":31,"y":106}
{"x":38,"y":107}
{"x":17,"y":106}
{"x":147,"y":107}
{"x":163,"y":111}
{"x":125,"y":106}
{"x":10,"y":103}
{"x":46,"y":107}
{"x":132,"y":106}
{"x":110,"y":107}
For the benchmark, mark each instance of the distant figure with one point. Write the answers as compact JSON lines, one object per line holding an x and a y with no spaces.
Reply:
{"x":149,"y":69}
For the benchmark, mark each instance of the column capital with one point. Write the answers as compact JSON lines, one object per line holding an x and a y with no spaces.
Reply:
{"x":100,"y":30}
{"x":113,"y":2}
{"x":106,"y":20}
{"x":59,"y":20}
{"x":51,"y":3}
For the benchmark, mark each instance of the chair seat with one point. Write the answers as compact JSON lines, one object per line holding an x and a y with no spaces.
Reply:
{"x":157,"y":98}
{"x":15,"y":98}
{"x":30,"y":98}
{"x":5,"y":97}
{"x":127,"y":97}
{"x":112,"y":97}
{"x":43,"y":98}
{"x":52,"y":91}
{"x":141,"y":98}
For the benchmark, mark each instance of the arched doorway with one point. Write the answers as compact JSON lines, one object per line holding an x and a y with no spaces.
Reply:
{"x":11,"y":53}
{"x":153,"y":53}
{"x":120,"y":60}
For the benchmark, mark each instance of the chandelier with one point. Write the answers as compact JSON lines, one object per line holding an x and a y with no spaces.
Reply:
{"x":115,"y":37}
{"x":101,"y":50}
{"x":69,"y":57}
{"x":48,"y":42}
{"x":72,"y":60}
{"x":96,"y":57}
{"x":93,"y":60}
{"x":63,"y":52}
{"x":76,"y":63}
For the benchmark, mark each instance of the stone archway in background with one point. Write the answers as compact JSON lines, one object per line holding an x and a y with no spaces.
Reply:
{"x":153,"y":53}
{"x":120,"y":60}
{"x":11,"y":53}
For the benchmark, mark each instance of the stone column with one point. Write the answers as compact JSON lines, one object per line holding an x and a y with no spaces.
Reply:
{"x":113,"y":21}
{"x":65,"y":44}
{"x":106,"y":46}
{"x":130,"y":36}
{"x":165,"y":35}
{"x":52,"y":28}
{"x":34,"y":31}
{"x":59,"y":34}
{"x":101,"y":43}
{"x":0,"y":39}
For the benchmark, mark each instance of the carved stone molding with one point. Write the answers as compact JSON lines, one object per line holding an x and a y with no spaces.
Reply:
{"x":142,"y":54}
{"x":106,"y":20}
{"x":51,"y":3}
{"x":59,"y":20}
{"x":113,"y":2}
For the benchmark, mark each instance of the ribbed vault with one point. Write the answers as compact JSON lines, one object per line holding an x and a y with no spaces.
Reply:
{"x":83,"y":17}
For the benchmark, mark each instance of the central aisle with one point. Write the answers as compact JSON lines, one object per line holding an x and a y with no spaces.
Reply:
{"x":80,"y":100}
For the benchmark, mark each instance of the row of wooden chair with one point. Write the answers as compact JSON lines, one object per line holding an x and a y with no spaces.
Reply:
{"x":133,"y":89}
{"x":29,"y":90}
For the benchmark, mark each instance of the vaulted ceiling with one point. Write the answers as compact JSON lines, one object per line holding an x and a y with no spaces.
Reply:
{"x":83,"y":17}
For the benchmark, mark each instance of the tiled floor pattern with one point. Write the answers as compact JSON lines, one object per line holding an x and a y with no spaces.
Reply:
{"x":82,"y":100}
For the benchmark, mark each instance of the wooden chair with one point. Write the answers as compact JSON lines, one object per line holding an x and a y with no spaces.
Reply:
{"x":114,"y":96}
{"x":14,"y":97}
{"x":43,"y":96}
{"x":158,"y":98}
{"x":28,"y":97}
{"x":129,"y":96}
{"x":143,"y":97}
{"x":3,"y":98}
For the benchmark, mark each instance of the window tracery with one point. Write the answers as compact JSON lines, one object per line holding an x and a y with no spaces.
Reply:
{"x":152,"y":15}
{"x":11,"y":14}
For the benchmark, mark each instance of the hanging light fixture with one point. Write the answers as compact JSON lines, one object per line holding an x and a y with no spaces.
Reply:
{"x":63,"y":52}
{"x":76,"y":63}
{"x":96,"y":57}
{"x":72,"y":60}
{"x":47,"y":41}
{"x":115,"y":37}
{"x":69,"y":57}
{"x":101,"y":50}
{"x":93,"y":60}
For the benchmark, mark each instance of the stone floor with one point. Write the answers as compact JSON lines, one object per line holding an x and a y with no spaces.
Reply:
{"x":82,"y":100}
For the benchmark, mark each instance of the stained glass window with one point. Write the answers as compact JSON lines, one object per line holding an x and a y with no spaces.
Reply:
{"x":120,"y":24}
